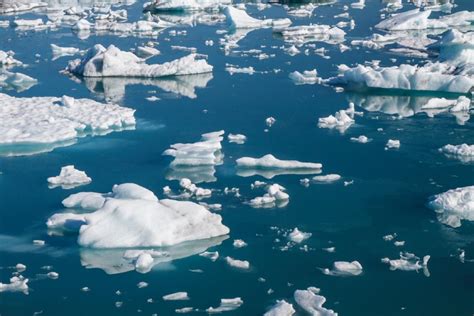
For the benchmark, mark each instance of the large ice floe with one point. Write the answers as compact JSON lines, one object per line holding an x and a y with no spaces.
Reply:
{"x":312,"y":303}
{"x":112,"y":62}
{"x":453,"y":72}
{"x":132,"y":216}
{"x":454,"y":205}
{"x":269,"y":166}
{"x":39,"y":124}
{"x":240,"y":19}
{"x":196,"y":161}
{"x":185,"y":5}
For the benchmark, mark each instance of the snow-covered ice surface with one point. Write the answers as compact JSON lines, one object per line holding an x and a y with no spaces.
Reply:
{"x":258,"y":129}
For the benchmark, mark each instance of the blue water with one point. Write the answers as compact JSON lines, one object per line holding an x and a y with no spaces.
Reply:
{"x":389,"y":192}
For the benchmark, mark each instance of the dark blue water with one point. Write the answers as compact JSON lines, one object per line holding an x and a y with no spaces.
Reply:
{"x":389,"y":192}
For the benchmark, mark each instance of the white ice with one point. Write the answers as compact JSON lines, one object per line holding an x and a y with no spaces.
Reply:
{"x":462,"y":152}
{"x":227,"y":304}
{"x":281,"y":308}
{"x":69,"y":178}
{"x":312,"y":303}
{"x":454,"y":205}
{"x":298,"y":236}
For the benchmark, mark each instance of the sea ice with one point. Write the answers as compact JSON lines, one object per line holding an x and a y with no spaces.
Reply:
{"x":298,"y":236}
{"x":17,"y":284}
{"x":344,"y":268}
{"x":462,"y":152}
{"x":227,"y":304}
{"x":178,"y":296}
{"x":328,"y":178}
{"x":240,"y":19}
{"x":281,"y":308}
{"x":239,"y":264}
{"x":270,"y":162}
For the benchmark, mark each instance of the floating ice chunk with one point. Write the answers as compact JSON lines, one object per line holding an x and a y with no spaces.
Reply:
{"x":292,"y":50}
{"x":330,"y":249}
{"x":275,"y":196}
{"x":454,"y":205}
{"x":392,"y":144}
{"x":142,"y":284}
{"x":270,"y":121}
{"x":6,"y":59}
{"x":302,"y":34}
{"x":400,"y":243}
{"x":239,"y":264}
{"x":69,"y":178}
{"x":409,"y":20}
{"x":239,"y":243}
{"x":25,"y":23}
{"x":178,"y":296}
{"x":344,"y":268}
{"x":281,"y":308}
{"x":342,"y":120}
{"x":112,"y":62}
{"x":270,"y":162}
{"x":362,"y":139}
{"x":240,"y":19}
{"x":39,"y":242}
{"x":212,"y":255}
{"x":184,"y":310}
{"x":312,"y":303}
{"x":193,"y":190}
{"x":63,"y":51}
{"x":237,"y":138}
{"x":389,"y":237}
{"x":20,"y":267}
{"x":463,"y":152}
{"x":298,"y":236}
{"x":358,"y":5}
{"x":17,"y":284}
{"x":147,"y":52}
{"x":328,"y":178}
{"x":408,"y":262}
{"x":52,"y":275}
{"x":307,"y":77}
{"x":15,"y":80}
{"x":430,"y":77}
{"x":132,"y":216}
{"x":231,"y":69}
{"x":144,"y":262}
{"x":185,"y":5}
{"x":227,"y":304}
{"x":42,"y":121}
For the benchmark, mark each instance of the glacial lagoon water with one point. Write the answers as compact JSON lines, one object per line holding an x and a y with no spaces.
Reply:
{"x":388,"y":195}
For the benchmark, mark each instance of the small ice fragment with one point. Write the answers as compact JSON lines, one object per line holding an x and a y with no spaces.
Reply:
{"x":142,"y":284}
{"x":327,"y":178}
{"x":298,"y":236}
{"x":178,"y":296}
{"x":392,"y":143}
{"x":227,"y":304}
{"x":239,"y":243}
{"x":240,"y":264}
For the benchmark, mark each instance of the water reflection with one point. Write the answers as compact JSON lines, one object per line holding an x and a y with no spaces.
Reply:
{"x":115,"y":261}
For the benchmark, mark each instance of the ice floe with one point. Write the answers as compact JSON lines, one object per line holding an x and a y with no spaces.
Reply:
{"x":69,"y":178}
{"x":237,"y":138}
{"x":270,"y":162}
{"x":328,"y":178}
{"x":132,"y":216}
{"x":239,"y":264}
{"x":298,"y":236}
{"x":63,"y":51}
{"x":312,"y":303}
{"x":392,"y":144}
{"x":240,"y":19}
{"x":16,"y":81}
{"x":178,"y":296}
{"x":344,"y":268}
{"x":307,"y":77}
{"x":227,"y":304}
{"x":408,"y":262}
{"x":275,"y":196}
{"x":17,"y":284}
{"x":454,"y":205}
{"x":40,"y":124}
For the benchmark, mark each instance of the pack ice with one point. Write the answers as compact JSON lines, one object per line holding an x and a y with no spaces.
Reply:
{"x":39,"y":122}
{"x":132,"y":216}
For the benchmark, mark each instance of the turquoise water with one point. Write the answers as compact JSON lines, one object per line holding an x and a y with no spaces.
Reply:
{"x":389,"y":192}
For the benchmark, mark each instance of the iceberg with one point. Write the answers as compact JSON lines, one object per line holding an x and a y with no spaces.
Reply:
{"x":17,"y":284}
{"x":463,"y":152}
{"x":47,"y":121}
{"x":69,"y":178}
{"x":132,"y":216}
{"x":16,"y":81}
{"x":454,"y":205}
{"x":112,"y":62}
{"x":240,"y":19}
{"x":185,"y":5}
